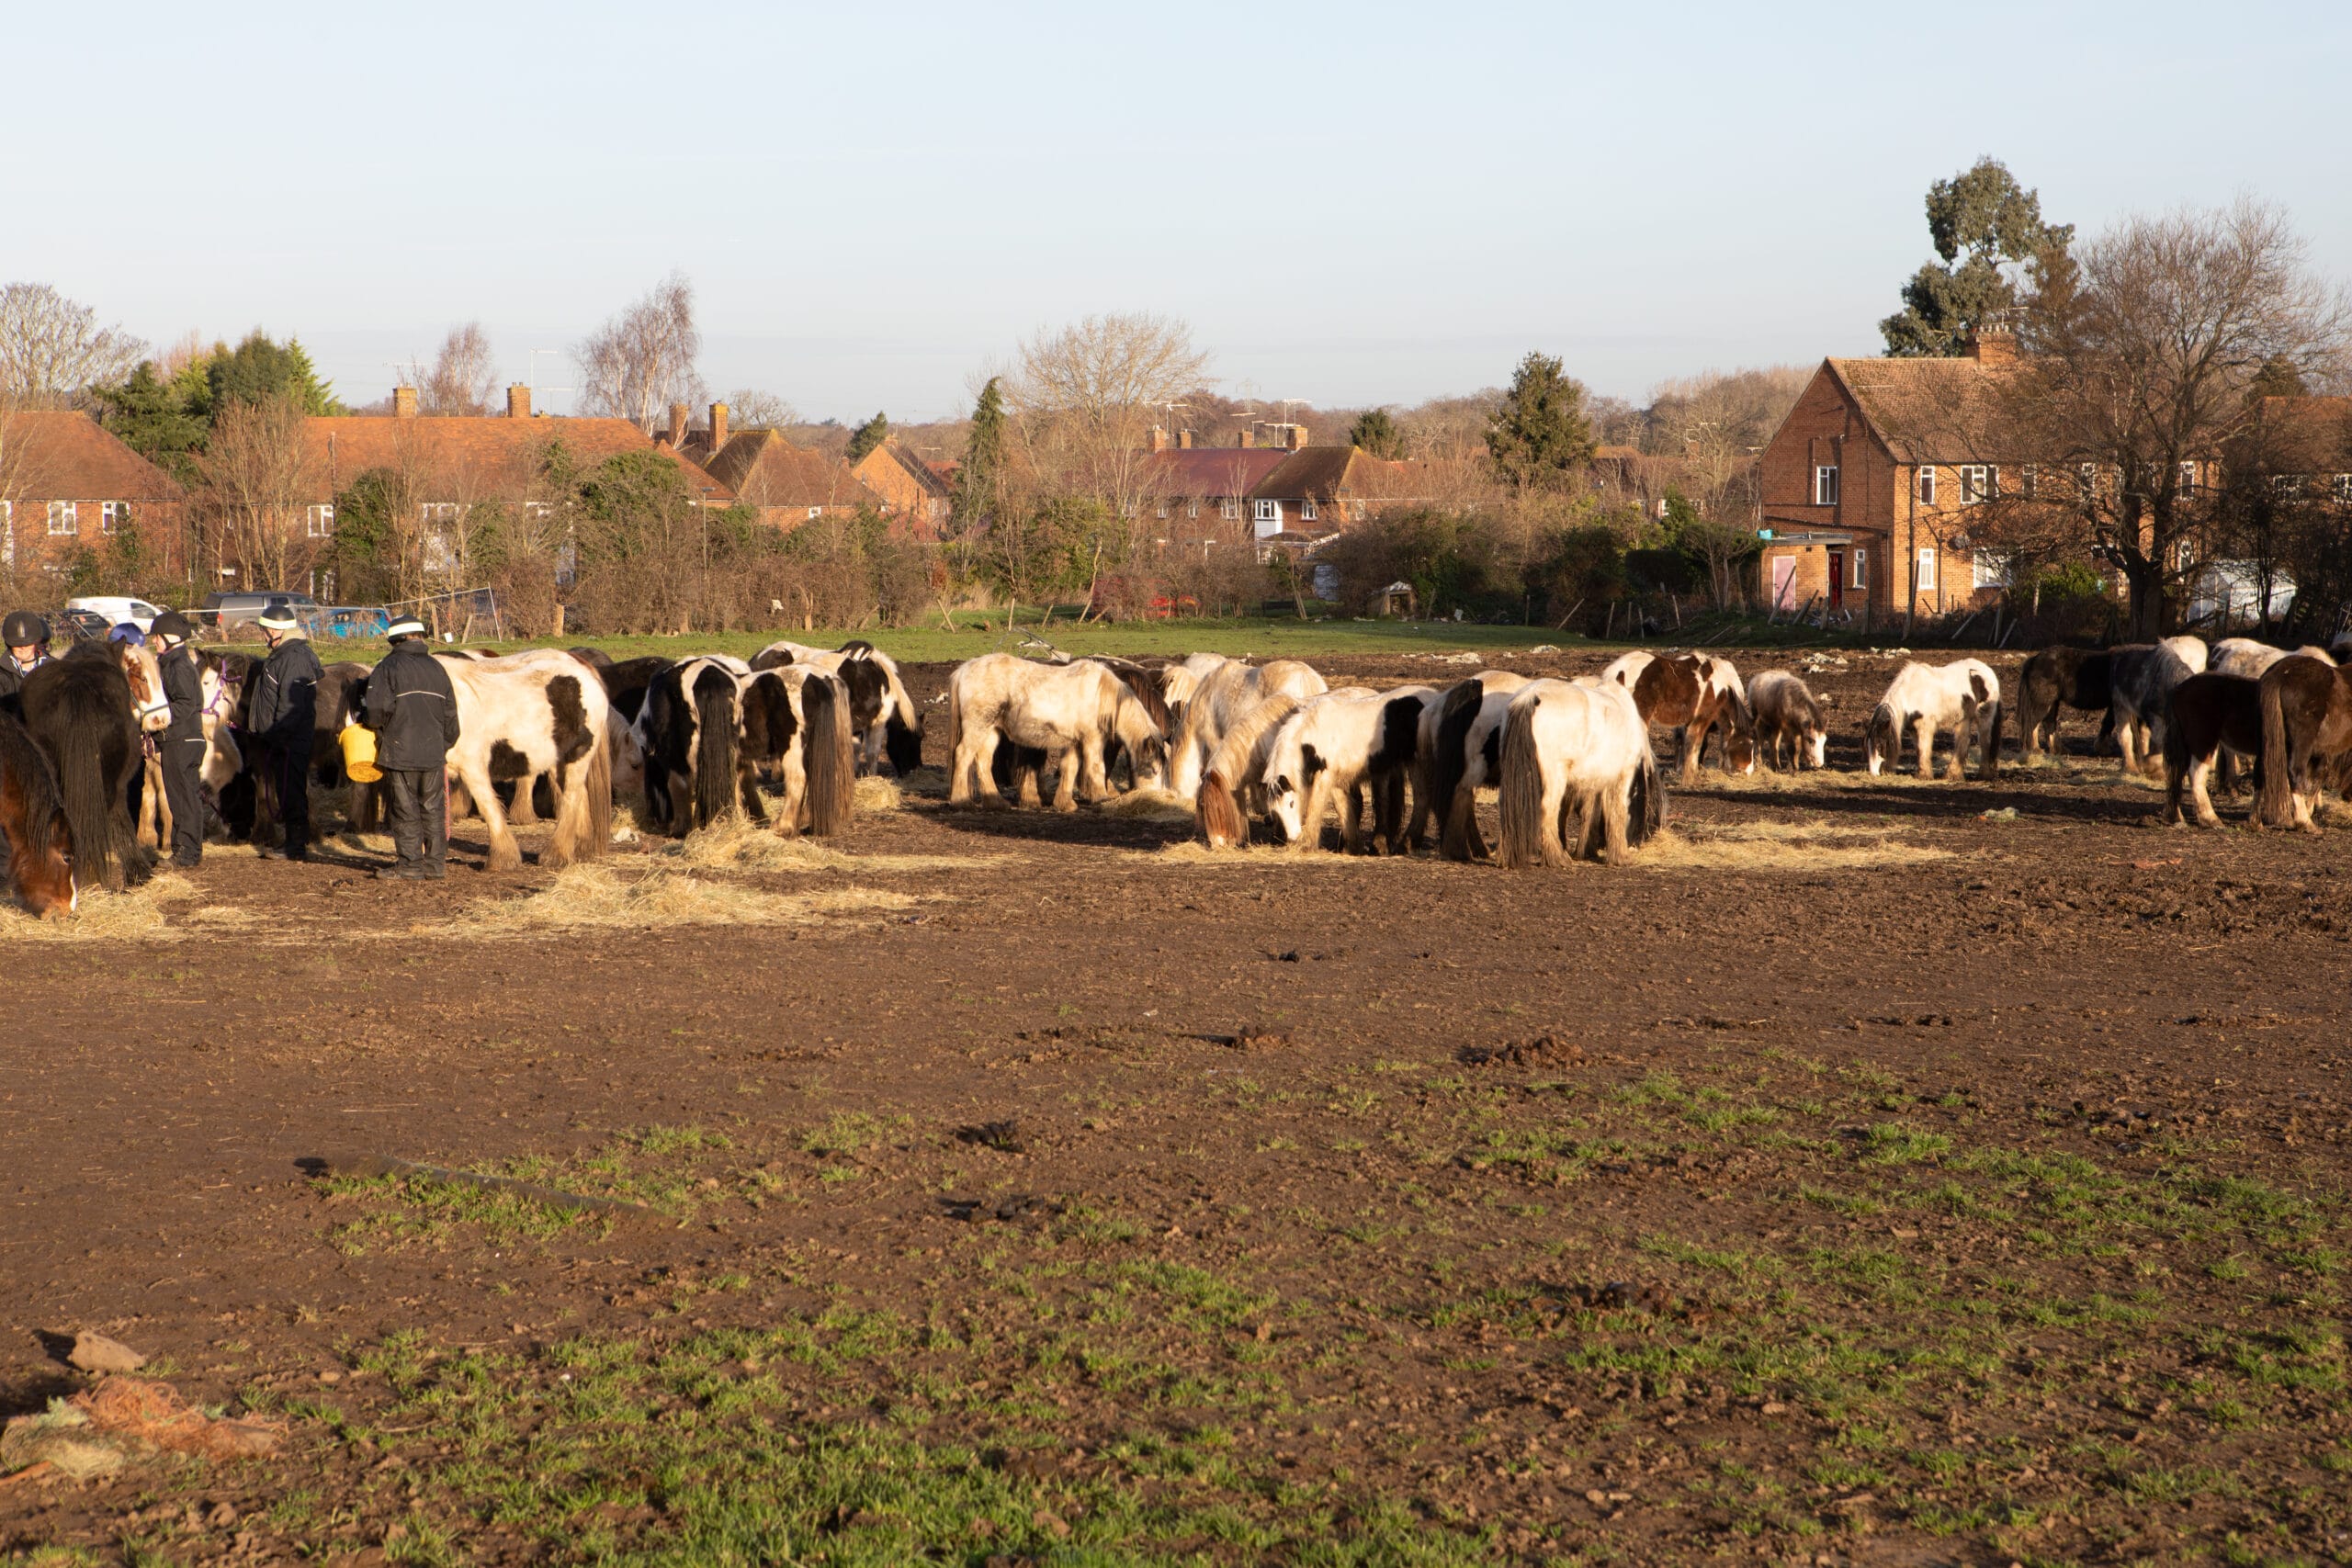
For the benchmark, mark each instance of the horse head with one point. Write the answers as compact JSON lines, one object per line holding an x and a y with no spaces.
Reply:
{"x":1146,"y":742}
{"x":149,"y":705}
{"x":32,"y":818}
{"x":1880,"y":736}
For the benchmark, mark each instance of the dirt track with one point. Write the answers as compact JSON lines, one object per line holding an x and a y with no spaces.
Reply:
{"x":1860,"y":1179}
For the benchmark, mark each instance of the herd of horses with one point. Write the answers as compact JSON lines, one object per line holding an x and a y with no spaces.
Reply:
{"x":1269,"y":749}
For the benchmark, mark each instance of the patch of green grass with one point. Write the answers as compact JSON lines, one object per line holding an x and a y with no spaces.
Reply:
{"x":1892,"y":1143}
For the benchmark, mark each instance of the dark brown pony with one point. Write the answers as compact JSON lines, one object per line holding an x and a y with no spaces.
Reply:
{"x":33,"y":825}
{"x":79,"y":710}
{"x":2306,"y":726}
{"x":2054,"y":678}
{"x":2209,"y":713}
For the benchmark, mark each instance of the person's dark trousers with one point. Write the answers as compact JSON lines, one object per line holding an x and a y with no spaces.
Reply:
{"x":182,"y":762}
{"x":293,"y":775}
{"x":420,"y":811}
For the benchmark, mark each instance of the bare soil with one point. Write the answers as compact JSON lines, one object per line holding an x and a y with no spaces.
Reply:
{"x":1855,"y":1179}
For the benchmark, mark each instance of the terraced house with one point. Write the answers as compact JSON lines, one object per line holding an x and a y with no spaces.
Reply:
{"x":67,"y":485}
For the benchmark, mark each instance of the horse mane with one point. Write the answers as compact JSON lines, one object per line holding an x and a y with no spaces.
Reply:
{"x":1457,"y":712}
{"x":43,"y":801}
{"x":1238,"y":757}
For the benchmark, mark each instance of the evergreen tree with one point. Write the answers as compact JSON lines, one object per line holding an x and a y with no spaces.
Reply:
{"x":867,"y":437}
{"x":1981,"y":223}
{"x":1378,"y":433}
{"x":151,"y":417}
{"x":983,"y":463}
{"x":259,"y":369}
{"x":1540,"y":436}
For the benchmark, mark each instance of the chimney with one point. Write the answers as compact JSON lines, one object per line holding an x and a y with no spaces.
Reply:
{"x":1249,"y":438}
{"x":1992,"y":345}
{"x":717,"y":426}
{"x":677,"y":425}
{"x":1183,"y":441}
{"x":403,"y":402}
{"x":518,"y":400}
{"x":1158,"y":439}
{"x":1295,"y":436}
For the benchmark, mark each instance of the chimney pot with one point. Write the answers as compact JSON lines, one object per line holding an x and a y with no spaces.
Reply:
{"x":518,"y":401}
{"x":1158,"y":439}
{"x":403,"y":402}
{"x":1295,"y":437}
{"x":677,"y":425}
{"x":717,"y":426}
{"x":1992,"y":345}
{"x":1249,"y":438}
{"x":1183,"y":441}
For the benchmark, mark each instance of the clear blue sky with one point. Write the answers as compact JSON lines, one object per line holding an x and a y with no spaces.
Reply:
{"x":1349,"y":204}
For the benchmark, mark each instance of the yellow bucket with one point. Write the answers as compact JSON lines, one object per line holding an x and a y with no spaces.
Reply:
{"x":358,"y":744}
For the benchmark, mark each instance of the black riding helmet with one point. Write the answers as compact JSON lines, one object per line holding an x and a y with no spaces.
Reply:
{"x":171,"y":623}
{"x":24,"y":629}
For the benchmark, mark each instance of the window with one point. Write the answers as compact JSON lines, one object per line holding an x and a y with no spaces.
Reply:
{"x":1990,"y":569}
{"x":1862,"y":566}
{"x":2182,"y":555}
{"x":64,"y":517}
{"x":1927,"y":484}
{"x":1355,"y":508}
{"x":1976,"y":483}
{"x":815,"y":513}
{"x":1192,"y":509}
{"x":2184,"y":479}
{"x":1927,"y":573}
{"x":2343,"y":488}
{"x":1163,"y":509}
{"x":2286,"y":487}
{"x":1824,"y":484}
{"x":319,"y":522}
{"x":2032,"y":479}
{"x":1270,"y":512}
{"x":112,"y":515}
{"x":2086,"y":479}
{"x":433,"y":512}
{"x":1228,"y":507}
{"x":1306,"y":508}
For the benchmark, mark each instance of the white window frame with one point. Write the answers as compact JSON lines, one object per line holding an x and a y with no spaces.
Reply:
{"x":1991,"y":568}
{"x":1306,"y":510}
{"x":2032,"y":479}
{"x":1923,"y":571}
{"x":1228,"y":507}
{"x":1824,"y":484}
{"x":1164,"y":511}
{"x":2086,"y":480}
{"x":1861,"y":567}
{"x":1976,"y":483}
{"x":1927,"y":484}
{"x":67,"y":514}
{"x":2287,"y":487}
{"x":815,"y":513}
{"x":318,"y":520}
{"x":2184,"y":478}
{"x":1268,"y":512}
{"x":1193,"y":507}
{"x":113,"y":514}
{"x":431,"y":511}
{"x":2343,"y":487}
{"x":1356,"y":511}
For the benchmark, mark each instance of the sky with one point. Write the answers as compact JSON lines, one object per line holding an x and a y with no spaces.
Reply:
{"x":1349,"y":205}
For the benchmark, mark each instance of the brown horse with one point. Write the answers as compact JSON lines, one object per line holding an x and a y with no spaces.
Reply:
{"x":2306,"y":726}
{"x":2211,"y":716}
{"x":33,"y":825}
{"x":1690,"y":693}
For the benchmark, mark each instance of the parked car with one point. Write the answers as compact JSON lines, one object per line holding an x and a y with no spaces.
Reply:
{"x":116,"y":609}
{"x":86,"y":624}
{"x":359,"y":620}
{"x":244,"y":608}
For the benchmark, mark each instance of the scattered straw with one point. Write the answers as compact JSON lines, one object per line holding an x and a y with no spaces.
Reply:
{"x":1780,"y":847}
{"x":1257,"y":857}
{"x":875,"y":795}
{"x":586,"y":897}
{"x":740,"y":844}
{"x":1148,"y":804}
{"x":927,"y":783}
{"x":137,"y":915}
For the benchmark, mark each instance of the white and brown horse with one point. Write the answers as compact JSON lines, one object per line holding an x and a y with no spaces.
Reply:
{"x":1073,"y":710}
{"x":1222,"y":697}
{"x":797,"y":722}
{"x":1963,"y":697}
{"x":224,"y":758}
{"x":524,"y":713}
{"x":1577,"y":752}
{"x":1328,"y":753}
{"x":1690,"y":693}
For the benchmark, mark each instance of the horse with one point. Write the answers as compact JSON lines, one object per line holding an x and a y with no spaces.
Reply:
{"x":2244,"y":656}
{"x":1582,"y":747}
{"x":1326,"y":754}
{"x":1439,"y":761}
{"x":625,"y":687}
{"x":797,"y":722}
{"x":882,"y":714}
{"x":1238,"y":765}
{"x":32,"y":825}
{"x":1690,"y":693}
{"x":2306,"y":721}
{"x":1469,"y":755}
{"x":2140,"y":679}
{"x":2211,"y":716}
{"x":1963,"y":697}
{"x":539,"y":712}
{"x":86,"y":711}
{"x":1786,"y":714}
{"x":2060,"y":677}
{"x":223,"y":763}
{"x":1221,"y":698}
{"x":1075,"y":709}
{"x":687,"y":734}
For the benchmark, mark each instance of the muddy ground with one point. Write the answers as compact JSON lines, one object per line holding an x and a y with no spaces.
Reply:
{"x":1856,"y":1179}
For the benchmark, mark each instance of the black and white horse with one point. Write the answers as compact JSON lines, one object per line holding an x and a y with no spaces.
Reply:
{"x":2141,"y":682}
{"x":1330,"y":752}
{"x":796,"y":725}
{"x":1577,"y":752}
{"x":685,"y":736}
{"x":1465,"y":755}
{"x":882,"y":714}
{"x":526,"y":714}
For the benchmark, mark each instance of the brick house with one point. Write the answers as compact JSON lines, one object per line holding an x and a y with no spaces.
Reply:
{"x":1869,"y":484}
{"x":68,"y":484}
{"x":1293,"y":489}
{"x":910,"y":489}
{"x":786,"y":484}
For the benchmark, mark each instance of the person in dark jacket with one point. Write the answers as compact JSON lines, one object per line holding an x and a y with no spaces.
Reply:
{"x":27,"y":635}
{"x":284,"y":719}
{"x":180,"y":749}
{"x":414,"y":711}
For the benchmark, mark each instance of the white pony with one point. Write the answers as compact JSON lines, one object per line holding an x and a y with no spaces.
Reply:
{"x":1326,"y":752}
{"x":1581,"y":747}
{"x":1073,"y":709}
{"x":885,"y":718}
{"x":1464,"y":756}
{"x":1222,"y":698}
{"x":1963,"y":697}
{"x":526,"y":714}
{"x":2244,"y":657}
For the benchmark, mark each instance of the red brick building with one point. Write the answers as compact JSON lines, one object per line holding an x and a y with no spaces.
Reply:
{"x":910,"y":487}
{"x":67,"y":484}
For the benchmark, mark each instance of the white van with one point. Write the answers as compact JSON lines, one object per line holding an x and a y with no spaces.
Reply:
{"x":116,"y":609}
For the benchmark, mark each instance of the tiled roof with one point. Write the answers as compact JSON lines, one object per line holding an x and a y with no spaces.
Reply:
{"x":921,"y":472}
{"x":1325,"y":473}
{"x":64,"y":454}
{"x":480,"y":451}
{"x":764,"y":469}
{"x":1213,"y":472}
{"x":1932,"y":411}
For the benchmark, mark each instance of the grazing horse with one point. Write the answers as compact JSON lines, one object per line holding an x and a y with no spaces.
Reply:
{"x":1438,"y":761}
{"x":1581,"y":747}
{"x":1075,"y":709}
{"x":625,"y":687}
{"x":1963,"y":697}
{"x":1469,"y":756}
{"x":2244,"y":656}
{"x":1787,"y":714}
{"x":1238,"y":765}
{"x":2211,"y":716}
{"x":686,"y":736}
{"x":2306,"y":724}
{"x":86,"y":711}
{"x":1325,"y":756}
{"x":32,"y":825}
{"x":1690,"y":693}
{"x":1223,"y":697}
{"x":541,"y":712}
{"x":882,"y":714}
{"x":797,"y":722}
{"x":2141,"y":679}
{"x":2060,"y":677}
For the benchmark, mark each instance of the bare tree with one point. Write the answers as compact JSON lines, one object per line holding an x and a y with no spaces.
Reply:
{"x":643,"y":360}
{"x":51,"y":348}
{"x":463,"y":377}
{"x":751,"y":409}
{"x":255,"y":478}
{"x":2141,"y":370}
{"x":1086,"y":397}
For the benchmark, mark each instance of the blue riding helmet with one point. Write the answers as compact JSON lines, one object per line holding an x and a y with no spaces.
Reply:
{"x":126,"y":632}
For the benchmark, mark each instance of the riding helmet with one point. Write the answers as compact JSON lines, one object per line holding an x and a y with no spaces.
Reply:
{"x":24,"y":629}
{"x":403,"y":625}
{"x":126,"y":632}
{"x":277,"y":616}
{"x":171,"y":624}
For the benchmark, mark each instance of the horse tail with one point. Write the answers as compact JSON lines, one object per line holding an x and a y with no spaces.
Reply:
{"x":716,"y":743}
{"x":1218,"y":804}
{"x":599,"y":786}
{"x":89,"y":805}
{"x":1457,"y":712}
{"x":1646,"y":812}
{"x":827,"y":763}
{"x":901,"y":725}
{"x":1993,"y":741}
{"x":2274,"y":800}
{"x":1525,"y":834}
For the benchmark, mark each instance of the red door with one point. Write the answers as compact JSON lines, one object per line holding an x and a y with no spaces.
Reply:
{"x":1837,"y":579}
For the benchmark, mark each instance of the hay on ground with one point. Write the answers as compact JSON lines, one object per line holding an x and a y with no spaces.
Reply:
{"x":1780,"y":847}
{"x":595,"y":897}
{"x":131,"y":916}
{"x":740,"y":844}
{"x":876,"y":794}
{"x":1148,"y":804}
